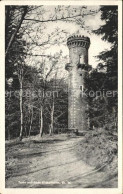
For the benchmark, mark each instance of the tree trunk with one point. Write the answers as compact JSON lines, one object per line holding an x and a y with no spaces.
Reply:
{"x":25,"y":130}
{"x":31,"y":120}
{"x":21,"y":110}
{"x":41,"y":121}
{"x":52,"y":118}
{"x":50,"y":130}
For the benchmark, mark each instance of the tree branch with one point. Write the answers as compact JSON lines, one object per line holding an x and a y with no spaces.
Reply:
{"x":17,"y":29}
{"x":57,"y":19}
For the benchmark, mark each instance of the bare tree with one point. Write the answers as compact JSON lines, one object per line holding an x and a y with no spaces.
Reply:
{"x":30,"y":23}
{"x":20,"y":77}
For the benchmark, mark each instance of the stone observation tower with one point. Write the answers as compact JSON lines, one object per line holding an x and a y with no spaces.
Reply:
{"x":78,"y":70}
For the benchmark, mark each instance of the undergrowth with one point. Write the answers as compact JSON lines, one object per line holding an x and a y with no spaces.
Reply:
{"x":98,"y":147}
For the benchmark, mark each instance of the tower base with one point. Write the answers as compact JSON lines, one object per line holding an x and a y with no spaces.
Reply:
{"x":76,"y":132}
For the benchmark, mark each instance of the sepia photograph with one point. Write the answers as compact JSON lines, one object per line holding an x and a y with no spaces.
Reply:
{"x":61,"y":95}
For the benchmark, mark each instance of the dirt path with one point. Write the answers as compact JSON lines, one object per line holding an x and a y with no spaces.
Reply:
{"x":55,"y":165}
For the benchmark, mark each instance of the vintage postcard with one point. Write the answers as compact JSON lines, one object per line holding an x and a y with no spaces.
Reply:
{"x":61,"y":102}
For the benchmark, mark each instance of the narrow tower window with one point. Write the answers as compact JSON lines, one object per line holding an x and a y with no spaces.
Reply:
{"x":81,"y":59}
{"x":81,"y":88}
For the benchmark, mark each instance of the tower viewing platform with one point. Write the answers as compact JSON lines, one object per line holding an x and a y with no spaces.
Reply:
{"x":78,"y":40}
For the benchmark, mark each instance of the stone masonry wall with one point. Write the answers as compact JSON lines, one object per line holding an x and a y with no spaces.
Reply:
{"x":77,"y":104}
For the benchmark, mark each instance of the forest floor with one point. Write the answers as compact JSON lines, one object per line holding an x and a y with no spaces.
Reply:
{"x":55,"y":162}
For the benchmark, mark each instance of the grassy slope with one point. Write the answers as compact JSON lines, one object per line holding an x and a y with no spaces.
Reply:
{"x":98,"y":147}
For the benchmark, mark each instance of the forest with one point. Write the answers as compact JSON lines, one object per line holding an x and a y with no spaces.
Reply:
{"x":36,"y":86}
{"x":29,"y":110}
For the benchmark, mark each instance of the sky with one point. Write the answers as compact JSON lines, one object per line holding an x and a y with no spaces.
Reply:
{"x":97,"y":44}
{"x":70,"y":28}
